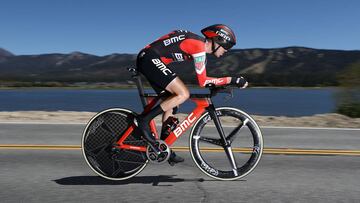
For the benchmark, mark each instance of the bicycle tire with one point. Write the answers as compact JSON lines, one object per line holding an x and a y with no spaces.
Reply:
{"x":99,"y":135}
{"x":247,"y":154}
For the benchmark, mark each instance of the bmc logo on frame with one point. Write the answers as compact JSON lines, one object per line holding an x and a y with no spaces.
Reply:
{"x":174,"y":39}
{"x":185,"y":124}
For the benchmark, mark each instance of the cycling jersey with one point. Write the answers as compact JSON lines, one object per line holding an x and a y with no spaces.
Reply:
{"x":177,"y":46}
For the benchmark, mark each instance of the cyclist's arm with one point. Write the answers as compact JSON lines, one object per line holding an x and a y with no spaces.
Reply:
{"x":200,"y":68}
{"x":196,"y":48}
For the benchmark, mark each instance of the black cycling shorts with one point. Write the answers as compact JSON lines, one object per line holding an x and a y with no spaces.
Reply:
{"x":155,"y":71}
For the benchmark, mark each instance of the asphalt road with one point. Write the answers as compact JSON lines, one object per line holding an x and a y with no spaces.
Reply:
{"x":61,"y":175}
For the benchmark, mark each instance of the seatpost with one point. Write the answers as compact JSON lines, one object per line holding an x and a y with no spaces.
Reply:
{"x":137,"y":79}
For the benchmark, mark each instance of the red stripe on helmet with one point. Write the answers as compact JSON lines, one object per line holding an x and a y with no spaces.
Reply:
{"x":210,"y":34}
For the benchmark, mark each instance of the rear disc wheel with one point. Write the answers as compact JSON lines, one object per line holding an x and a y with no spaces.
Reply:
{"x":99,"y":137}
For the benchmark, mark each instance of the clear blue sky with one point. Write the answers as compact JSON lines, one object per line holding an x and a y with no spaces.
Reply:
{"x":113,"y":26}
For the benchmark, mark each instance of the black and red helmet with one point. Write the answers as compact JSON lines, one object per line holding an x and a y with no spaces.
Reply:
{"x":221,"y":34}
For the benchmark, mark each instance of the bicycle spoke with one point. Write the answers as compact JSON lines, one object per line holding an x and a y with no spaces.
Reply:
{"x":211,"y":141}
{"x":231,"y":158}
{"x":231,"y":137}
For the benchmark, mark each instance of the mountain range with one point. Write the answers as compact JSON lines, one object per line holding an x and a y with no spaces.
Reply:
{"x":288,"y":66}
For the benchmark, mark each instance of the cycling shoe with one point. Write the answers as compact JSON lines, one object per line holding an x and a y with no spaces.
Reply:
{"x":174,"y":159}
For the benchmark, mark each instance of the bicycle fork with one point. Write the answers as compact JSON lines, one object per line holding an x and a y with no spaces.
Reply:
{"x":226,"y":144}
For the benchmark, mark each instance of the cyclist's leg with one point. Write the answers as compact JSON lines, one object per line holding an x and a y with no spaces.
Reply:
{"x":169,"y":113}
{"x":159,"y":79}
{"x":180,"y":95}
{"x":170,"y":83}
{"x":166,"y":115}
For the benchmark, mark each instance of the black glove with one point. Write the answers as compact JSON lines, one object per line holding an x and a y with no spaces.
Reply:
{"x":239,"y":82}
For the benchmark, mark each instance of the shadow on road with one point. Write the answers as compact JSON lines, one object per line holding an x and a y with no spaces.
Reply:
{"x":96,"y":180}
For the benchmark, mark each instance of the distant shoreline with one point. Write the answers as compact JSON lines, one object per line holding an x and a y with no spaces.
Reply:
{"x":261,"y":101}
{"x":331,"y":120}
{"x":90,"y":87}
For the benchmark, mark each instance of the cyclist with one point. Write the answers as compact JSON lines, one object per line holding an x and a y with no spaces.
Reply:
{"x":154,"y":62}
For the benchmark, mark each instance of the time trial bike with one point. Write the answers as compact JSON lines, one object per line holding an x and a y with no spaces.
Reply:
{"x":225,"y":142}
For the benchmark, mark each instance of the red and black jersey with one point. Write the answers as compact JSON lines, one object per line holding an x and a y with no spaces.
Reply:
{"x":177,"y":46}
{"x":181,"y":45}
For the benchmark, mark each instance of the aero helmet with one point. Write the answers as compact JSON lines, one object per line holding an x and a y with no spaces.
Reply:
{"x":220,"y":34}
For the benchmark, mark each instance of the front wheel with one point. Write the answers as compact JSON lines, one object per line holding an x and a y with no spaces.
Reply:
{"x":234,"y":159}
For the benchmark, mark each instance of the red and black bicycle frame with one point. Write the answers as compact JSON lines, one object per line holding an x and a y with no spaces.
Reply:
{"x":151,"y":100}
{"x":203,"y":103}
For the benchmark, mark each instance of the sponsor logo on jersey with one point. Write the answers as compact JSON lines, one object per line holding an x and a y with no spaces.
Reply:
{"x":169,"y":41}
{"x":200,"y":61}
{"x":214,"y":81}
{"x":161,"y":66}
{"x":179,"y":56}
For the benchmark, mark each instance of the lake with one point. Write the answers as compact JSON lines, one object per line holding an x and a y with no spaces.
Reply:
{"x":259,"y":101}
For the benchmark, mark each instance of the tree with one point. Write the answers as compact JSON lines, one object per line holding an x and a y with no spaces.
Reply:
{"x":348,"y":101}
